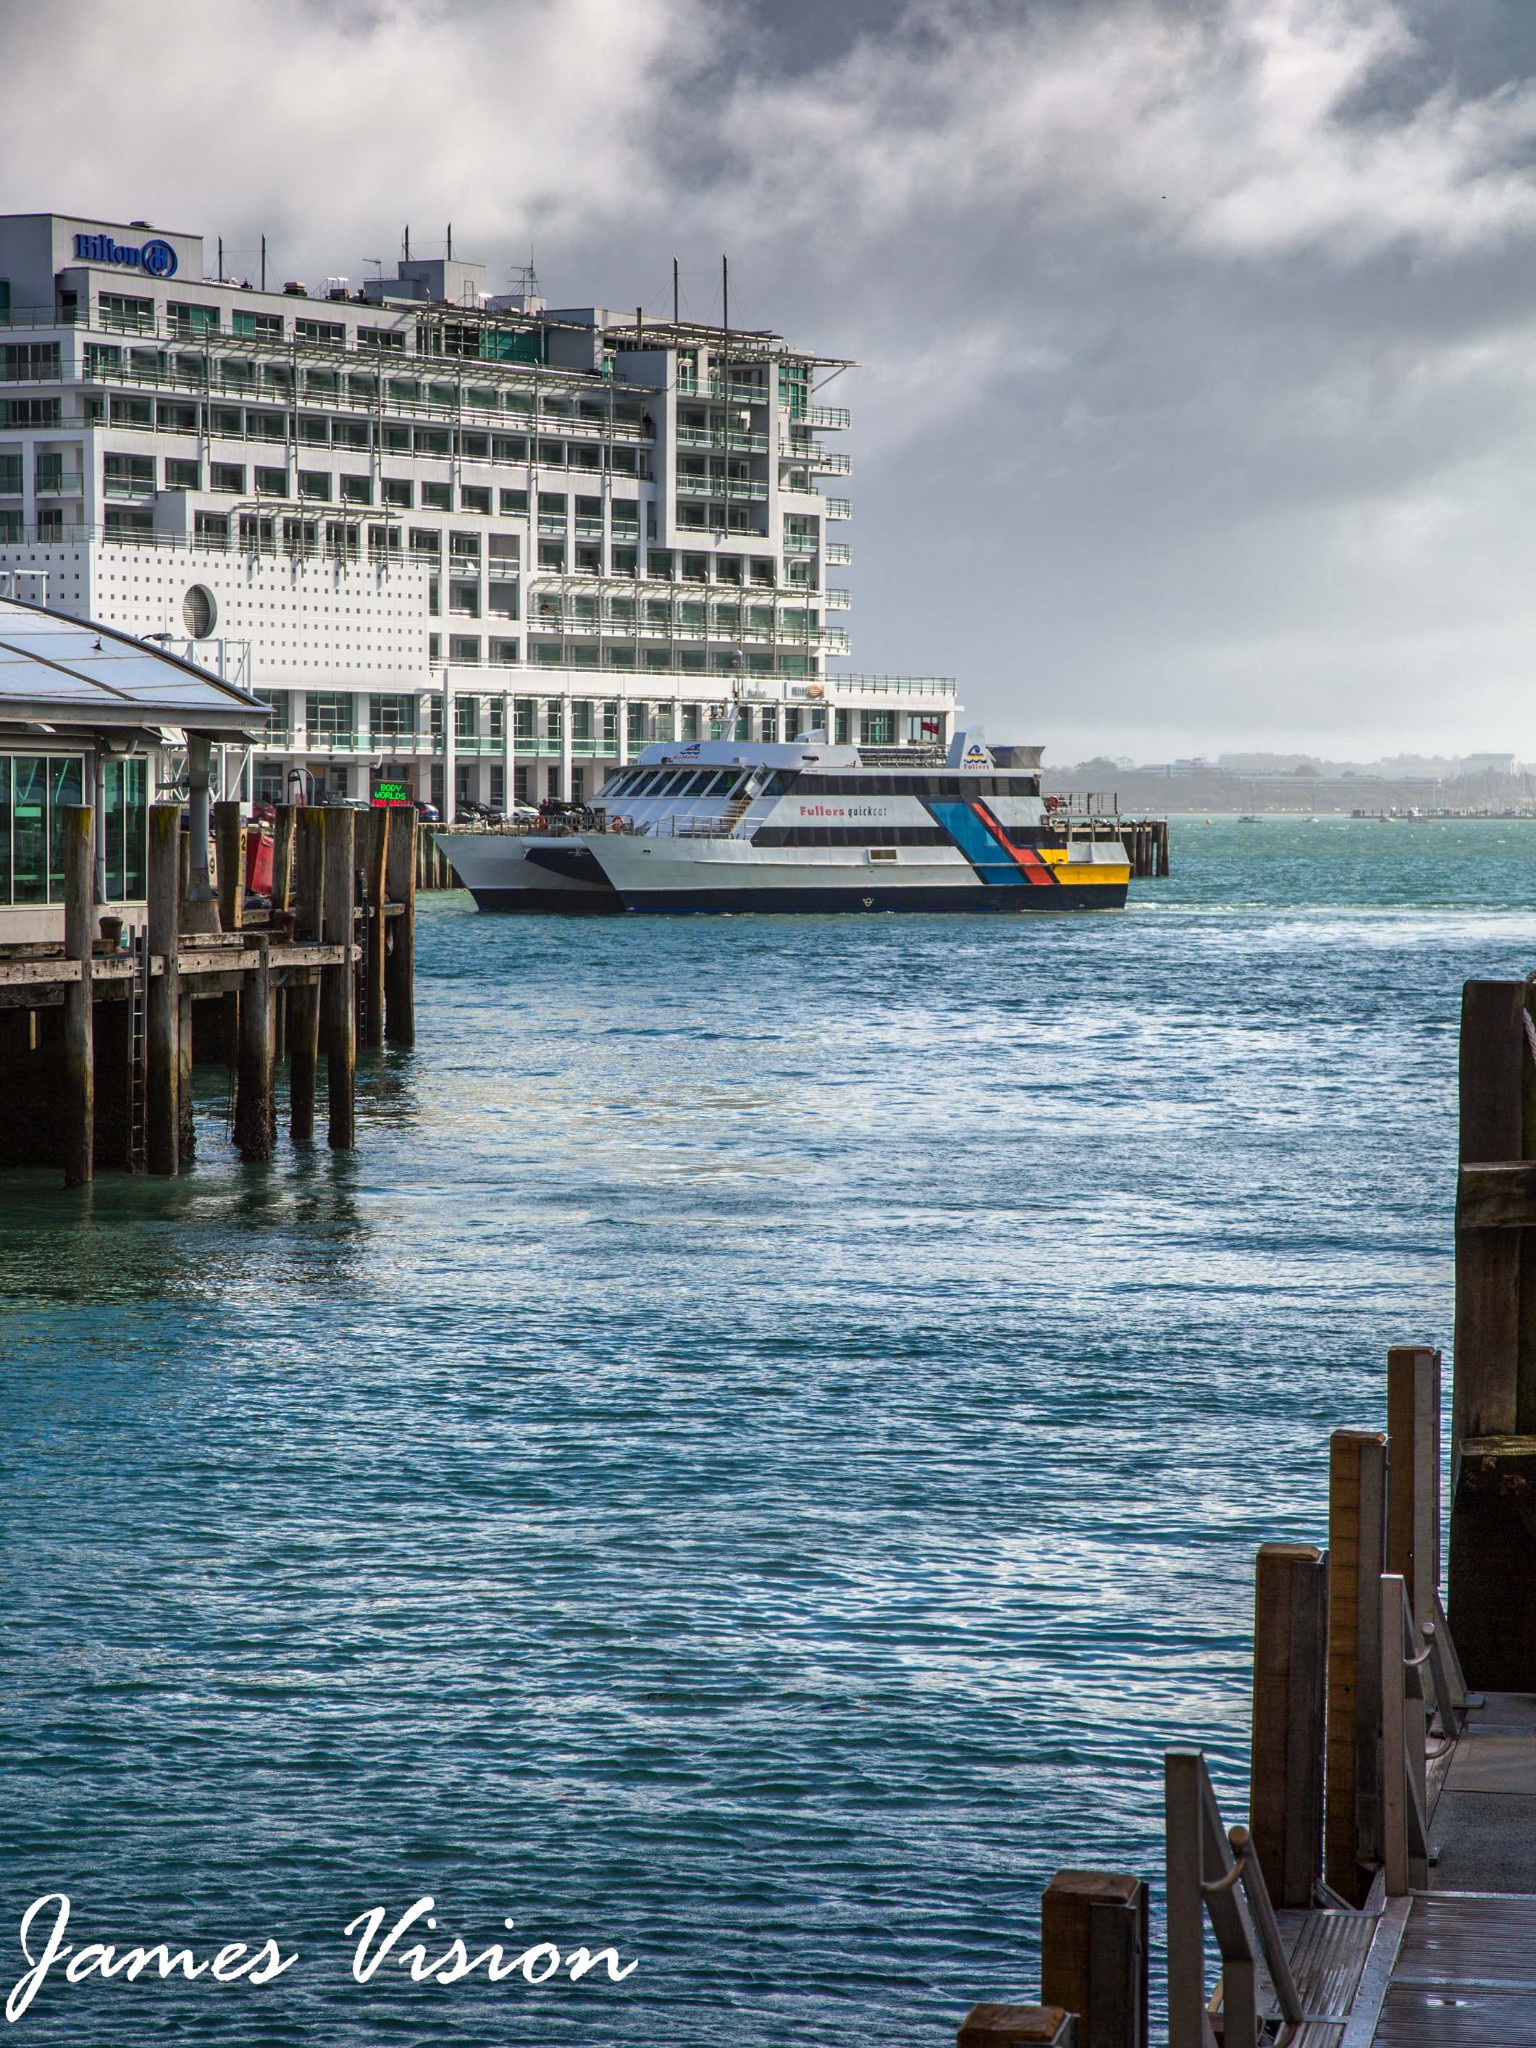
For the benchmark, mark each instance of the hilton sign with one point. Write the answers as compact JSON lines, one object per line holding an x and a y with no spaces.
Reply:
{"x":155,"y":257}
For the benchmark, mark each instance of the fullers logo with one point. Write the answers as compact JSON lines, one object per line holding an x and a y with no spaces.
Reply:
{"x":156,"y":258}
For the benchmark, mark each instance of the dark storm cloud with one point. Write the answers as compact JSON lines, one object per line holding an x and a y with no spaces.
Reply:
{"x":1197,"y":405}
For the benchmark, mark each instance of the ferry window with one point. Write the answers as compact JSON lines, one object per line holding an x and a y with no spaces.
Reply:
{"x":696,"y":784}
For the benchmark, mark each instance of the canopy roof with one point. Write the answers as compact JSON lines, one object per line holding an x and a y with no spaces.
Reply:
{"x":59,"y":671}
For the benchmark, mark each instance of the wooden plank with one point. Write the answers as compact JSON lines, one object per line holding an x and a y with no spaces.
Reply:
{"x":1496,"y":1195}
{"x":79,"y":1106}
{"x":1357,"y":1463}
{"x":38,"y":973}
{"x":1491,"y":1076}
{"x":1290,"y":1650}
{"x":1018,"y":2026}
{"x":285,"y":818}
{"x":162,"y":1078}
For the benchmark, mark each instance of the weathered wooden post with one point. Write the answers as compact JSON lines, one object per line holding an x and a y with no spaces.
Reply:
{"x":1290,"y":1652}
{"x":1413,"y":1463}
{"x":374,"y":831}
{"x":304,"y":996}
{"x":229,"y":840}
{"x":253,"y":1100}
{"x":186,"y":1122}
{"x":79,"y":932}
{"x":400,"y":968}
{"x":337,"y":992}
{"x":1357,"y":1544}
{"x":1018,"y":2026}
{"x":162,"y":1024}
{"x":1491,"y":1581}
{"x":285,"y":818}
{"x":1094,"y":1949}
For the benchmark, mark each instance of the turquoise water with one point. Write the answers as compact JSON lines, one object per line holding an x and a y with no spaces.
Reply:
{"x":750,"y":1461}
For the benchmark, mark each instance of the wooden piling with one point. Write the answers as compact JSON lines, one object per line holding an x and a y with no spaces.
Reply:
{"x":186,"y":1123}
{"x":373,"y":834}
{"x":400,"y":967}
{"x":1357,"y":1542}
{"x":1413,"y":1467}
{"x":1290,"y":1649}
{"x":229,"y":845}
{"x":1094,"y":1951}
{"x":304,"y":996}
{"x":253,"y":1103}
{"x":338,"y":1022}
{"x":161,"y":1041}
{"x":284,"y":821}
{"x":1488,"y":1319}
{"x":79,"y":1106}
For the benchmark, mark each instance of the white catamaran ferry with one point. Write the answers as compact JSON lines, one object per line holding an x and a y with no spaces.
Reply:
{"x":805,"y":826}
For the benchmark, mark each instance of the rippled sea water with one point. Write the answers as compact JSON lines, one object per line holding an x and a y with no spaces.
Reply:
{"x":751,"y":1460}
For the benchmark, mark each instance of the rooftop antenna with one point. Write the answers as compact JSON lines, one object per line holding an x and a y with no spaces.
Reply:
{"x":221,"y":259}
{"x":450,"y":241}
{"x":674,"y":291}
{"x":263,"y":262}
{"x":407,"y":241}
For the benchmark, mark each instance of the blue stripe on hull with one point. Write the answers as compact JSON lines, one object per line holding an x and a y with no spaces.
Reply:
{"x":810,"y":902}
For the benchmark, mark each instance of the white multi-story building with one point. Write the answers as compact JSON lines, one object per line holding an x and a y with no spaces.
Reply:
{"x":459,"y":541}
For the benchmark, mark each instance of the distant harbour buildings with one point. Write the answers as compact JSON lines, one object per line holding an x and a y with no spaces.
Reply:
{"x":456,"y":539}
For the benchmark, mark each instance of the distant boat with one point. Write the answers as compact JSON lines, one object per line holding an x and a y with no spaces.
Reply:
{"x":1248,"y":818}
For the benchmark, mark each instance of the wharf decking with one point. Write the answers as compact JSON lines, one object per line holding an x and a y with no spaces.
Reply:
{"x":1383,"y":1893}
{"x":98,"y":1040}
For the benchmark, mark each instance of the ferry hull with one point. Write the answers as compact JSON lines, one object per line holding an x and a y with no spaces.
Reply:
{"x":507,"y":872}
{"x":812,"y":901}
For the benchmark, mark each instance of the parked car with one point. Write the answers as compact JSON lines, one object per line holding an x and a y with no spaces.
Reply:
{"x":429,"y":814}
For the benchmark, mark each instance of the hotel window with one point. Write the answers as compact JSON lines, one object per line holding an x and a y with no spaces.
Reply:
{"x":498,"y":786}
{"x":434,"y":656}
{"x":552,"y":717}
{"x":658,"y":563}
{"x":392,"y":717}
{"x":10,"y":473}
{"x":464,"y":647}
{"x":257,"y":535}
{"x":127,"y":316}
{"x":434,"y":596}
{"x":314,"y":429}
{"x":257,"y":326}
{"x":128,"y":526}
{"x":501,"y":599}
{"x":397,"y":491}
{"x":397,"y":440}
{"x":464,"y":599}
{"x":320,"y":333}
{"x":695,"y":568}
{"x":314,"y":483}
{"x":877,"y":728}
{"x":102,"y":359}
{"x":211,"y":529}
{"x":380,"y":337}
{"x":10,"y":527}
{"x":477,"y":445}
{"x":427,"y":541}
{"x":551,"y":554}
{"x":624,"y":515}
{"x":176,"y":419}
{"x":504,"y":651}
{"x":301,"y":536}
{"x":272,"y":483}
{"x":464,"y":547}
{"x":127,"y":476}
{"x":187,"y":322}
{"x":226,"y":476}
{"x":384,"y":543}
{"x":328,"y":716}
{"x":357,"y":490}
{"x":124,"y":412}
{"x":343,"y":539}
{"x":472,"y":498}
{"x":436,"y":498}
{"x":514,"y":504}
{"x":505,"y":547}
{"x":433,"y":441}
{"x":510,"y":447}
{"x":349,"y":434}
{"x":525,"y":711}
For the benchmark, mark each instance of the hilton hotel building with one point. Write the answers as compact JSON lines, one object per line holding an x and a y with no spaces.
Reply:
{"x":455,"y":539}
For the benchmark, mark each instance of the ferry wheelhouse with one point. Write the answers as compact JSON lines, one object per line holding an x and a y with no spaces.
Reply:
{"x":806,"y":826}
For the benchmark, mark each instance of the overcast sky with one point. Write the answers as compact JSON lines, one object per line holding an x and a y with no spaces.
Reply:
{"x":1196,"y":405}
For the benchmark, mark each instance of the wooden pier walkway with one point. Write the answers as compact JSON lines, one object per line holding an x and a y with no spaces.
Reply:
{"x":1383,"y":1893}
